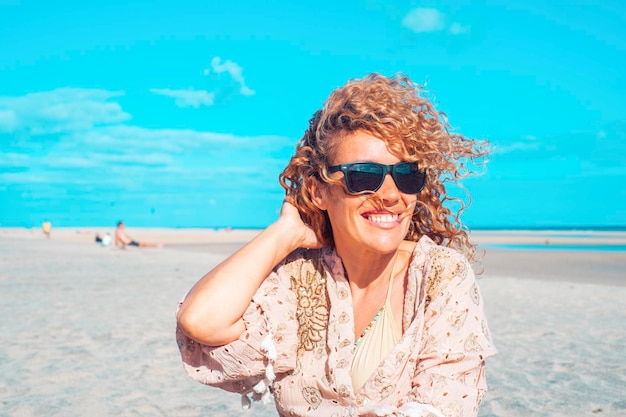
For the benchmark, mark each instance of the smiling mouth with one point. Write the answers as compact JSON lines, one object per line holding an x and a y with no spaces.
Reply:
{"x":382,"y":218}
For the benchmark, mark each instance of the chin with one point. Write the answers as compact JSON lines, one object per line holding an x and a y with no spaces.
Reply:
{"x":384,"y":243}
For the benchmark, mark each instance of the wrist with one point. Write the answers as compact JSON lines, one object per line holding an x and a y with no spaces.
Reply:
{"x":286,"y":234}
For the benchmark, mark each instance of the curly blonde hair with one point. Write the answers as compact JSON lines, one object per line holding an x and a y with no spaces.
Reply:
{"x":394,"y":110}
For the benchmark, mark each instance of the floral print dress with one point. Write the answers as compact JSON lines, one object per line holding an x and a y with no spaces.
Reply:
{"x":299,"y":342}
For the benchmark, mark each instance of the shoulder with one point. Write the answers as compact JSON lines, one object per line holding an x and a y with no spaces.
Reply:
{"x":321,"y":259}
{"x":432,"y":258}
{"x":438,"y":258}
{"x":443,"y":268}
{"x":302,"y":266}
{"x":298,"y":273}
{"x":301,"y":260}
{"x":302,"y":255}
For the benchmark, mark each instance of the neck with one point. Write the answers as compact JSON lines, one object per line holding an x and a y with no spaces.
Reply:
{"x":364,"y":270}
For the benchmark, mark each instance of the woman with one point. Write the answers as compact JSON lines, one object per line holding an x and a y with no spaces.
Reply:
{"x":358,"y":300}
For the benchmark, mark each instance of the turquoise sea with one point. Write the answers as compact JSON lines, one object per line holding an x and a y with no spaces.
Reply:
{"x":574,"y":247}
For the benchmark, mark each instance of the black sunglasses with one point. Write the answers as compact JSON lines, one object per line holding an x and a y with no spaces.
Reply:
{"x":369,"y":176}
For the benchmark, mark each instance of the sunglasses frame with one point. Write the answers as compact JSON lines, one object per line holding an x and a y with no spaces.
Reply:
{"x":387,"y":169}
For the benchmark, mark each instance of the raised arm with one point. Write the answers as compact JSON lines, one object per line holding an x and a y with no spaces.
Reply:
{"x":212,"y":311}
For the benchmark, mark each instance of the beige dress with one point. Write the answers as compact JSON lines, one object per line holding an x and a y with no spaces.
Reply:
{"x":298,"y":346}
{"x":377,"y":341}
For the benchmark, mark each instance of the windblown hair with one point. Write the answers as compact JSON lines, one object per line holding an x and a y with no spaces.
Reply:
{"x":394,"y":110}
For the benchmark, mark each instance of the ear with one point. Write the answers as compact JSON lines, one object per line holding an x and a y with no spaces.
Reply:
{"x":319,"y":193}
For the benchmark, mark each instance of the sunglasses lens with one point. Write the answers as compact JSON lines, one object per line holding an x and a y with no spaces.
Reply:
{"x":364,"y":177}
{"x":409,"y":178}
{"x":369,"y":176}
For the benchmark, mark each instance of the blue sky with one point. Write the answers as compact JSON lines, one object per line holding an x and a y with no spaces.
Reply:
{"x":184,"y":113}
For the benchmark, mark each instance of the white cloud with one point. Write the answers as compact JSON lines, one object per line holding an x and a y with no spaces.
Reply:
{"x":234,"y":70}
{"x":429,"y":20}
{"x":515,"y":146}
{"x":62,"y":109}
{"x":141,"y":160}
{"x":14,"y":160}
{"x":197,"y":98}
{"x":459,"y":29}
{"x":137,"y":139}
{"x":522,"y":144}
{"x":8,"y":120}
{"x":424,"y":19}
{"x":99,"y":153}
{"x":187,"y":98}
{"x":246,"y":91}
{"x":73,"y":162}
{"x":123,"y":148}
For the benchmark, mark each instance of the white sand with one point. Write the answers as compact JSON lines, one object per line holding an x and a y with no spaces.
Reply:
{"x":88,"y":330}
{"x":561,"y":348}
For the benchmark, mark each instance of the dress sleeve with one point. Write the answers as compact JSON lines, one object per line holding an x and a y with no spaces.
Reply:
{"x":450,"y":372}
{"x":267,"y":346}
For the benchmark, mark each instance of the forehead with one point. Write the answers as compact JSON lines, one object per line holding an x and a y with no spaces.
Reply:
{"x":361,"y":146}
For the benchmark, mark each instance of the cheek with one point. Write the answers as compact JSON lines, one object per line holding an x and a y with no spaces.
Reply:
{"x":339,"y":205}
{"x":411,"y":205}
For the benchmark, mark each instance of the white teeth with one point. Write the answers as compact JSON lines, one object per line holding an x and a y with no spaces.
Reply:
{"x":383,"y":218}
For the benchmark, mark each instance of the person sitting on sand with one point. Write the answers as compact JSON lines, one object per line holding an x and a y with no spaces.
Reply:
{"x":360,"y":299}
{"x":122,"y":239}
{"x":104,"y":240}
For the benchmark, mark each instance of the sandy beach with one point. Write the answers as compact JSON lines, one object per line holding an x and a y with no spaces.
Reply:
{"x":89,"y":330}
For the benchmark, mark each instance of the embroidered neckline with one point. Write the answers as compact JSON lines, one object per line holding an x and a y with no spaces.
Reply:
{"x":369,"y":326}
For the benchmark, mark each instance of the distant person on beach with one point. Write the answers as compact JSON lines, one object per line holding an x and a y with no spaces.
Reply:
{"x":104,"y":240}
{"x":123,"y":240}
{"x":360,"y":299}
{"x":47,"y":228}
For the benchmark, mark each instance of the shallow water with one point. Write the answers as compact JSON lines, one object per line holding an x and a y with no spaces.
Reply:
{"x":558,"y":246}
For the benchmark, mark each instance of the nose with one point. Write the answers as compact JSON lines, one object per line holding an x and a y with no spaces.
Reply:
{"x":389,"y":190}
